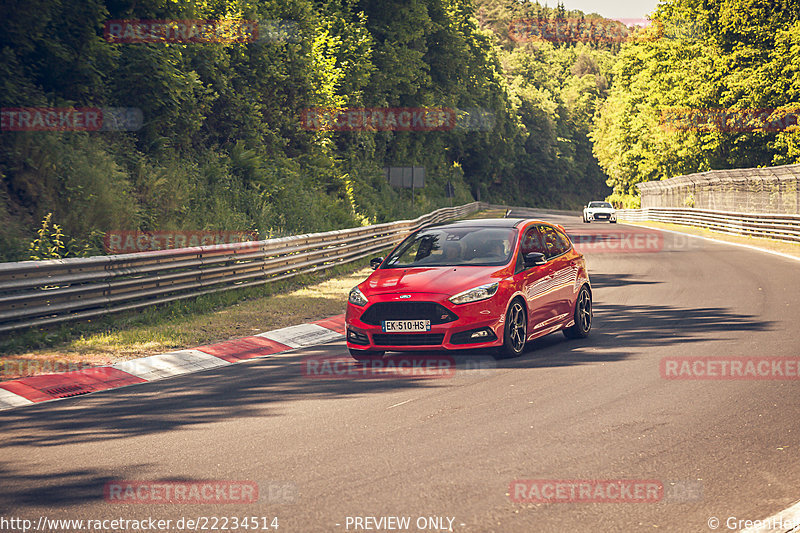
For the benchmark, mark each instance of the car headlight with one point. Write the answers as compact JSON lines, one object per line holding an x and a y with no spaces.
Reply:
{"x":357,"y":297}
{"x":475,"y":294}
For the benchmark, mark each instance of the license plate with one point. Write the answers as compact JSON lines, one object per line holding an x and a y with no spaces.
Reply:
{"x":405,"y":326}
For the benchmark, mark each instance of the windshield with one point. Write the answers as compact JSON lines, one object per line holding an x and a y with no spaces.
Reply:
{"x":455,"y":247}
{"x":600,"y":204}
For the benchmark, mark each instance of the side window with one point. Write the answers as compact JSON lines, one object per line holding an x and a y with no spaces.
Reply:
{"x":566,"y":244}
{"x":532,"y":241}
{"x":554,"y":243}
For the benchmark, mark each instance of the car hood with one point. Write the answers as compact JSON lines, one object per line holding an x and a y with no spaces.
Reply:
{"x":433,"y":280}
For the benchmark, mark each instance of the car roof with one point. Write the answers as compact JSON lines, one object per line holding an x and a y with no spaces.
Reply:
{"x":491,"y":223}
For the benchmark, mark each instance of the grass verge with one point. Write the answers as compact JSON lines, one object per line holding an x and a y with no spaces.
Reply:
{"x":184,"y":324}
{"x":178,"y":325}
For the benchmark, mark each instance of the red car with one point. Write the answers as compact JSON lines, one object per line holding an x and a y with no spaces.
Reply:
{"x":490,"y":283}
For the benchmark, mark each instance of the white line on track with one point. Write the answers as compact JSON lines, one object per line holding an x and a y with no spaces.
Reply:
{"x":750,"y":246}
{"x":398,"y":404}
{"x":786,"y":521}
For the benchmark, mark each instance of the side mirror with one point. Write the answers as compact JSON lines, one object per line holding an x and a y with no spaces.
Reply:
{"x":535,"y":259}
{"x":375,"y":262}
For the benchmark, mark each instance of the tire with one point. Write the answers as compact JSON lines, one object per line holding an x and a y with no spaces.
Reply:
{"x":515,"y":331}
{"x":584,"y":220}
{"x":613,"y":221}
{"x":366,"y":355}
{"x":582,"y":316}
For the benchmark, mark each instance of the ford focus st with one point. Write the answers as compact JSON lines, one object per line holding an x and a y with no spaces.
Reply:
{"x":493,"y":283}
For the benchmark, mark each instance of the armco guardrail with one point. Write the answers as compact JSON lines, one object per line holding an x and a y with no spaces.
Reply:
{"x":770,"y":226}
{"x":773,"y":190}
{"x":38,"y":293}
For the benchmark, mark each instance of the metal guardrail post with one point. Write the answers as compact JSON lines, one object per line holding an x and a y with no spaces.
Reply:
{"x":38,"y":293}
{"x":774,"y":190}
{"x":765,"y":225}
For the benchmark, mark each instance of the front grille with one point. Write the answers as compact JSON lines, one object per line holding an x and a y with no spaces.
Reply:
{"x":408,"y":339}
{"x":601,"y":215}
{"x":436,"y":313}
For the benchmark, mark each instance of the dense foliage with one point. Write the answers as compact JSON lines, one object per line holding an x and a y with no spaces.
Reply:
{"x":555,"y":89}
{"x":222,"y":146}
{"x":713,"y":54}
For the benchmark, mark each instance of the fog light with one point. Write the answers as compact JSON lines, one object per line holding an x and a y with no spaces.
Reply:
{"x":356,"y":337}
{"x":474,"y":336}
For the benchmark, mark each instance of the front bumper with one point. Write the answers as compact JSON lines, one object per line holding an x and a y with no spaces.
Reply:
{"x":478,"y":325}
{"x":594,"y":216}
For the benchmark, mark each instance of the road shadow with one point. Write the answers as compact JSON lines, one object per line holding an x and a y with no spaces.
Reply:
{"x":600,"y":281}
{"x":618,"y":331}
{"x":262,"y":387}
{"x":70,"y":487}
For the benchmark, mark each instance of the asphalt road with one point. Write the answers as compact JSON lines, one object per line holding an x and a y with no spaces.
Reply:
{"x":323,"y":450}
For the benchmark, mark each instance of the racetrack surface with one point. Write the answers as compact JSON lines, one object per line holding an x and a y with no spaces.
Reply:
{"x":592,"y":409}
